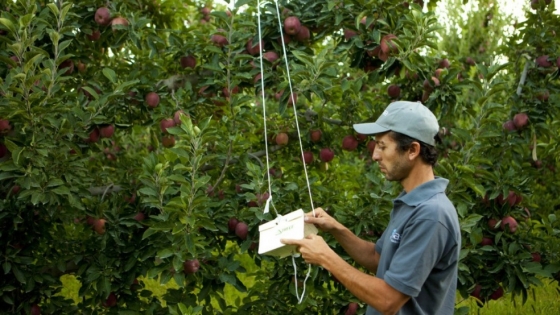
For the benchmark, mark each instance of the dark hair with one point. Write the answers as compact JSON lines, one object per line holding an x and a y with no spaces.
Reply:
{"x":428,"y":153}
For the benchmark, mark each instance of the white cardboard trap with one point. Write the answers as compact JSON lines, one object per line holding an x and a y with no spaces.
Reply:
{"x":289,"y":226}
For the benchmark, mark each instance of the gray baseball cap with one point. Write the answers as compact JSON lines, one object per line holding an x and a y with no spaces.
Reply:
{"x":409,"y":118}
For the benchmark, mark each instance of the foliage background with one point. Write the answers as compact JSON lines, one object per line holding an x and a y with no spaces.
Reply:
{"x":58,"y":86}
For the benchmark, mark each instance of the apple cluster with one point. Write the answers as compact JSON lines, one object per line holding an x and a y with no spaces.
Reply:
{"x":103,"y":18}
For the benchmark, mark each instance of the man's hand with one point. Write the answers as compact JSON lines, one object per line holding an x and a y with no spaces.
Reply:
{"x":322,"y":220}
{"x":313,"y":249}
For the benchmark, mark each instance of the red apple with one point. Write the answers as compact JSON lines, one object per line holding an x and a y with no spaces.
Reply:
{"x":497,"y":294}
{"x":477,"y":292}
{"x":188,"y":61}
{"x":262,"y":198}
{"x":232,"y":223}
{"x":348,"y":33}
{"x":470,"y":61}
{"x":152,"y":99}
{"x":68,"y":65}
{"x":168,"y":141}
{"x":226,"y":92}
{"x":509,"y":126}
{"x":5,"y":126}
{"x":275,"y":173}
{"x":492,"y":224}
{"x":93,"y":136}
{"x":3,"y":150}
{"x":166,"y":123}
{"x":177,"y":116}
{"x":271,"y":56}
{"x":435,"y":81}
{"x":107,"y":131}
{"x":241,"y":230}
{"x":81,"y":67}
{"x":205,"y":11}
{"x":444,"y":63}
{"x":511,"y":222}
{"x":394,"y":91}
{"x":520,"y":120}
{"x":14,"y":59}
{"x":308,"y":157}
{"x":536,"y":257}
{"x":352,"y":308}
{"x":278,"y":95}
{"x":486,"y":241}
{"x":326,"y":155}
{"x":286,"y":38}
{"x":119,"y":23}
{"x":254,"y":49}
{"x":282,"y":138}
{"x":219,"y":40}
{"x":139,"y":217}
{"x":361,"y":137}
{"x":387,"y":45}
{"x":349,"y":143}
{"x":111,"y":300}
{"x":292,"y":25}
{"x":315,"y":135}
{"x":103,"y":16}
{"x":99,"y":226}
{"x":191,"y":266}
{"x":543,"y":62}
{"x":35,"y":309}
{"x":95,"y":35}
{"x":371,"y":146}
{"x":427,"y":85}
{"x":303,"y":34}
{"x":292,"y":99}
{"x":130,"y":199}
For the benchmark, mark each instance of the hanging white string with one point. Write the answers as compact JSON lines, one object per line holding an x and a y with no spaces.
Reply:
{"x":269,"y":199}
{"x":293,"y":104}
{"x":300,"y":298}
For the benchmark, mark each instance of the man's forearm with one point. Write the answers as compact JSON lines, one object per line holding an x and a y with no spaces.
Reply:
{"x":363,"y":252}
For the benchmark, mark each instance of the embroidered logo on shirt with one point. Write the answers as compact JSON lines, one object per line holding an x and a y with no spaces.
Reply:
{"x":395,"y":237}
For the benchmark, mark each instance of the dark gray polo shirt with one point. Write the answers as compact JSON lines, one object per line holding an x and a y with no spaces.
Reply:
{"x":419,"y":250}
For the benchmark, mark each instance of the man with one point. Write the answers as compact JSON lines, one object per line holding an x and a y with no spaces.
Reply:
{"x":415,"y":260}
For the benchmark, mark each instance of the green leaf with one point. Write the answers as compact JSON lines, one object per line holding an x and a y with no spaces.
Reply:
{"x":110,"y":74}
{"x":165,"y":253}
{"x":7,"y":267}
{"x":53,"y":8}
{"x":61,"y":190}
{"x":148,"y":191}
{"x":18,"y":274}
{"x":55,"y":182}
{"x":148,"y":233}
{"x":241,"y":3}
{"x":8,"y":24}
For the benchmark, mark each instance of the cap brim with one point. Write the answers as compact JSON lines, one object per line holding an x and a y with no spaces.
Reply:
{"x":369,"y":128}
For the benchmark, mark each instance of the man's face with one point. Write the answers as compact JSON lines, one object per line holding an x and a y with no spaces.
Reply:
{"x":394,"y":164}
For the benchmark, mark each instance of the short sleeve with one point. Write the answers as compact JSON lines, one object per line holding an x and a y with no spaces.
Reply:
{"x":422,"y":243}
{"x":379,"y":243}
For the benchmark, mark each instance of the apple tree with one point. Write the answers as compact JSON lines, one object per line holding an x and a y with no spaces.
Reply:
{"x":141,"y":139}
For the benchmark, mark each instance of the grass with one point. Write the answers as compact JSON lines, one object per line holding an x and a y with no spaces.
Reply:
{"x":546,"y":303}
{"x":546,"y":300}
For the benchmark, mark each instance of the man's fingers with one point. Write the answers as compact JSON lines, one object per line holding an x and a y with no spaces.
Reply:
{"x":290,"y":241}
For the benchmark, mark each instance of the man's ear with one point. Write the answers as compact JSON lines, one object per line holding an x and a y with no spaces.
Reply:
{"x":414,"y":150}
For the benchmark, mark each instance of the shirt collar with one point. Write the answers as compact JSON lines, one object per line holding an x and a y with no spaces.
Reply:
{"x":423,"y":192}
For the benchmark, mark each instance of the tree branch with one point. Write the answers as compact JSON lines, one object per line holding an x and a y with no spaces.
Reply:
{"x":96,"y":191}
